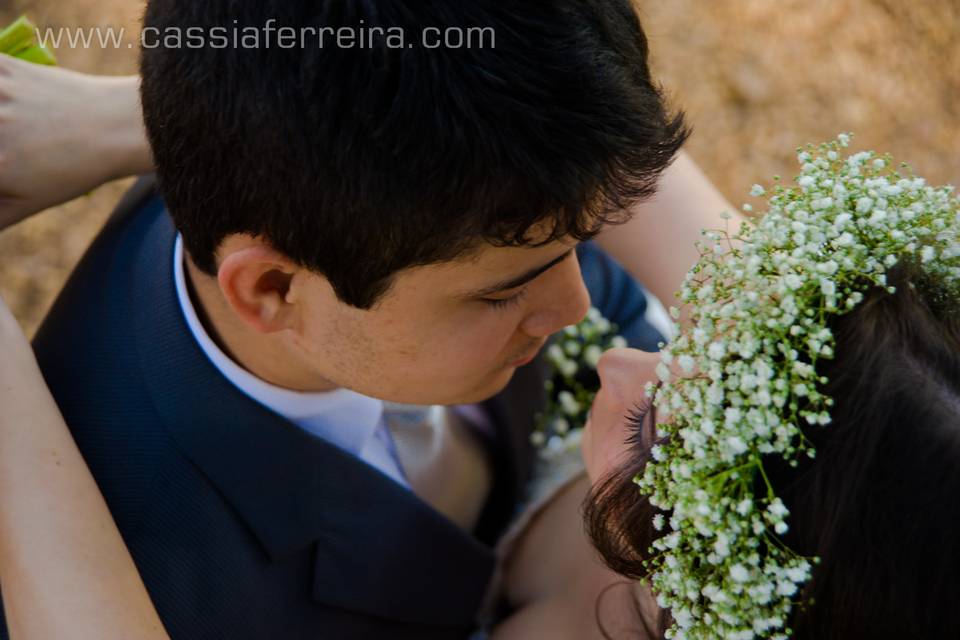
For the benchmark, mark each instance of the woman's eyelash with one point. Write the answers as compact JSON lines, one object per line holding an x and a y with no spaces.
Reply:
{"x":637,"y":415}
{"x":505,"y":302}
{"x":637,"y":419}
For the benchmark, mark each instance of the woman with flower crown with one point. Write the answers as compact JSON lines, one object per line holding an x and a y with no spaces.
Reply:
{"x":789,"y":466}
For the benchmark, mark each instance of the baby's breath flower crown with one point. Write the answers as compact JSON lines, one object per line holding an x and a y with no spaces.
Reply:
{"x":745,"y":378}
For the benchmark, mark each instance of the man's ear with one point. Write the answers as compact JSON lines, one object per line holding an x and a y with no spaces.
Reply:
{"x":255,"y":280}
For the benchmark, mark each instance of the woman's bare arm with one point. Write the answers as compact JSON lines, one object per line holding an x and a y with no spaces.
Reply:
{"x":658,"y":245}
{"x":64,"y":569}
{"x":559,"y":586}
{"x":62,"y":134}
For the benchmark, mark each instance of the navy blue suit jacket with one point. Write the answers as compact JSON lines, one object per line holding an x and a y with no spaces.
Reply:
{"x":241,"y":524}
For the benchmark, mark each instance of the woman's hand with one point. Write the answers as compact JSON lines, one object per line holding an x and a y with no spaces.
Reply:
{"x":62,"y":134}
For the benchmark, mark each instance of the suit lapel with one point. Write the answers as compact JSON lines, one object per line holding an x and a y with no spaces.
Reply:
{"x":379,"y":550}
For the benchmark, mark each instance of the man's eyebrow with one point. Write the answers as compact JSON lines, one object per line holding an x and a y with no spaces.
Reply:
{"x":521,"y":280}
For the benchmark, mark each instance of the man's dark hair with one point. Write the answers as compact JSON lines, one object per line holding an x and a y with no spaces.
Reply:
{"x":360,"y":162}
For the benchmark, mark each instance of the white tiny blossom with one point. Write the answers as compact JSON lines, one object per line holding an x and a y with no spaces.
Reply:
{"x":737,"y":446}
{"x":555,"y":354}
{"x":569,"y":403}
{"x":591,"y":355}
{"x":793,"y":281}
{"x":739,"y":573}
{"x":717,"y":351}
{"x":663,"y":372}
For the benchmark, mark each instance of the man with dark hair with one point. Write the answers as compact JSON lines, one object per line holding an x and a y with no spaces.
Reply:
{"x":274,"y":371}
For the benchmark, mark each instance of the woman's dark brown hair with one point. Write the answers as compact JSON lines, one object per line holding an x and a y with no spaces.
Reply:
{"x":880,"y":504}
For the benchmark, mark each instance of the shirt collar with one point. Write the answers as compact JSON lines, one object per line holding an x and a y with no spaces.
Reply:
{"x":342,"y":417}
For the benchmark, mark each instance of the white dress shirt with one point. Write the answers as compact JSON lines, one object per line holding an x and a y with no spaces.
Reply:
{"x":347,"y":419}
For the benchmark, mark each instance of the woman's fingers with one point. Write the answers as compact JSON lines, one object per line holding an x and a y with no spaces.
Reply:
{"x":62,"y":134}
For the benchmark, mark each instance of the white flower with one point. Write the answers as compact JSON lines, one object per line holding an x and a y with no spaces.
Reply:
{"x":777,"y":509}
{"x":758,"y":191}
{"x":717,"y":351}
{"x":737,"y":446}
{"x":846,"y":240}
{"x":842,"y":220}
{"x":822,"y":203}
{"x":739,"y":573}
{"x":569,"y":404}
{"x":663,"y":372}
{"x":793,"y":281}
{"x":591,"y":355}
{"x":555,"y":354}
{"x":708,"y":427}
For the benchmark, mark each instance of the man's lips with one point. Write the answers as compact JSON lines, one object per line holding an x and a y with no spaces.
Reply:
{"x":527,"y":359}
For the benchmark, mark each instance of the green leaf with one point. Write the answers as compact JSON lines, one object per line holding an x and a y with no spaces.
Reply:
{"x":19,"y":40}
{"x":38,"y":54}
{"x":17,"y":37}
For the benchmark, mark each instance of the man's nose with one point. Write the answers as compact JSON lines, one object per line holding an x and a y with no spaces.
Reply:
{"x":565,"y":301}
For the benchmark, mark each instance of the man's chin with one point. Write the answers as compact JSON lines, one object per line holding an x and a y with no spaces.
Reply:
{"x":495,"y":385}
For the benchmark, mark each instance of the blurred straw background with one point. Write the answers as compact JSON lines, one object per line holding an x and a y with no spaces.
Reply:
{"x":756,"y":77}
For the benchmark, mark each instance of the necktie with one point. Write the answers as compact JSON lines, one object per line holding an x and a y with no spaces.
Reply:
{"x":443,"y":460}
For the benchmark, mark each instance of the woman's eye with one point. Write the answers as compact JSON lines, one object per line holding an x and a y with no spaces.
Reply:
{"x":504,"y":303}
{"x":638,"y":415}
